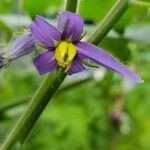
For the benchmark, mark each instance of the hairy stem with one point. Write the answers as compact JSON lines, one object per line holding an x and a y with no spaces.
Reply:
{"x":63,"y":89}
{"x":38,"y":103}
{"x":71,"y":5}
{"x":137,"y":3}
{"x":109,"y":21}
{"x":35,"y":108}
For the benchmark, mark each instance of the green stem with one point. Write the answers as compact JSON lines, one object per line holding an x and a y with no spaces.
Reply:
{"x":137,"y":3}
{"x":63,"y":89}
{"x":109,"y":21}
{"x":37,"y":104}
{"x":71,"y":5}
{"x":49,"y":87}
{"x":34,"y":110}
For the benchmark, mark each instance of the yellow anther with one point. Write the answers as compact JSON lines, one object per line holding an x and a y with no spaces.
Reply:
{"x":64,"y":54}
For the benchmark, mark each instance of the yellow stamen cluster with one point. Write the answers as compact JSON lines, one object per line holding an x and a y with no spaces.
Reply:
{"x":64,"y":54}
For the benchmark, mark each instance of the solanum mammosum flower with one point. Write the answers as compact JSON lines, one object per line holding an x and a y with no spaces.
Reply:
{"x":66,"y":50}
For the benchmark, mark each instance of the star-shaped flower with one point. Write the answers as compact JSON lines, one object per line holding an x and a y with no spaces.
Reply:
{"x":67,"y":51}
{"x":64,"y":47}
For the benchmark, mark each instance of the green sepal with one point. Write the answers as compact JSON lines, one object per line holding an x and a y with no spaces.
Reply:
{"x":89,"y":63}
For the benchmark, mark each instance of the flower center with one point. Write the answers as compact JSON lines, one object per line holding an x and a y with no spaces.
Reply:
{"x":64,"y":54}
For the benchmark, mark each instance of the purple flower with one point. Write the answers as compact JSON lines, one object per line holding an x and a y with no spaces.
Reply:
{"x":23,"y":45}
{"x":64,"y":48}
{"x":20,"y":46}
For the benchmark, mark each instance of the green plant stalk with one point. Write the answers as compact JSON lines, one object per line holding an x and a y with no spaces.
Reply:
{"x":71,"y":5}
{"x":45,"y":92}
{"x":49,"y":87}
{"x":109,"y":21}
{"x":63,"y":89}
{"x":136,"y":3}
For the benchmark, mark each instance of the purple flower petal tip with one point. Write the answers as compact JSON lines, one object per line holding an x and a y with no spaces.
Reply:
{"x":101,"y":57}
{"x":23,"y":45}
{"x":53,"y":32}
{"x":46,"y":33}
{"x":76,"y":67}
{"x":71,"y":25}
{"x":45,"y":62}
{"x":140,"y":81}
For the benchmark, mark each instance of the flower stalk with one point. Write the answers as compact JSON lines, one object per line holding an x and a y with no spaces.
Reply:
{"x":34,"y":110}
{"x":49,"y":86}
{"x":38,"y":103}
{"x":62,"y":89}
{"x":109,"y":21}
{"x":71,"y":5}
{"x":136,"y":3}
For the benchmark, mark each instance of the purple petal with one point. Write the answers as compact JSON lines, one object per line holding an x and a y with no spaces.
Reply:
{"x":23,"y":45}
{"x":76,"y":67}
{"x":101,"y":57}
{"x":71,"y":25}
{"x":46,"y":33}
{"x":45,"y":62}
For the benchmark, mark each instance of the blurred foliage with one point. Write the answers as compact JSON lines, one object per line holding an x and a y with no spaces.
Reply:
{"x":100,"y":8}
{"x":113,"y":46}
{"x":42,"y":7}
{"x":7,"y":6}
{"x":79,"y":118}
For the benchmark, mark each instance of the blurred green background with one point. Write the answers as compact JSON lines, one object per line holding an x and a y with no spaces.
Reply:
{"x":102,"y":111}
